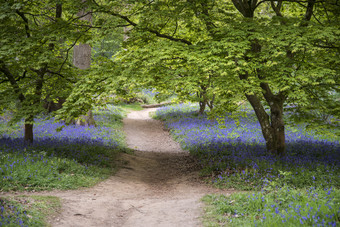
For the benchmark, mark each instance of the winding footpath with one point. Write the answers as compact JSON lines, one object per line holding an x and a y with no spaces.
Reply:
{"x":156,"y":186}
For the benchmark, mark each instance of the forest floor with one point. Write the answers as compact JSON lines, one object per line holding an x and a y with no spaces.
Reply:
{"x":158,"y":185}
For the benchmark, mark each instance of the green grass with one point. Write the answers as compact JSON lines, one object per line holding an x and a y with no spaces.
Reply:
{"x":42,"y":172}
{"x":130,"y":107}
{"x":283,"y":207}
{"x":27,"y":210}
{"x":114,"y":116}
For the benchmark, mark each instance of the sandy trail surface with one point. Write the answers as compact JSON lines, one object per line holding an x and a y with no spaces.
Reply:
{"x":157,"y":186}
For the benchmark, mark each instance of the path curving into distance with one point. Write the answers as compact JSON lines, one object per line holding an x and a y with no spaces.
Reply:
{"x":157,"y":186}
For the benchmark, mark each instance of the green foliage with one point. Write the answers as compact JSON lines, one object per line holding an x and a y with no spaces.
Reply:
{"x":35,"y":64}
{"x":214,"y":50}
{"x":110,"y":116}
{"x":108,"y":45}
{"x":249,"y":179}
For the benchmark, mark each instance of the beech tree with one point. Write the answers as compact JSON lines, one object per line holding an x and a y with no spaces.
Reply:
{"x":275,"y":53}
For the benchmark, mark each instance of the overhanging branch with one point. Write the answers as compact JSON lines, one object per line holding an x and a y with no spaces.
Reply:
{"x":24,"y":18}
{"x":157,"y":33}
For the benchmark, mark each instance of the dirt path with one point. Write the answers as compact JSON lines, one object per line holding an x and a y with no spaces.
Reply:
{"x":157,"y":186}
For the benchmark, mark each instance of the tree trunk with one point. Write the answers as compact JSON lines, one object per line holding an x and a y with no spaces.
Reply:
{"x":202,"y":106}
{"x":278,"y":129}
{"x":82,"y":60}
{"x":272,"y":127}
{"x":204,"y":101}
{"x":28,"y":136}
{"x":211,"y":102}
{"x":87,"y":120}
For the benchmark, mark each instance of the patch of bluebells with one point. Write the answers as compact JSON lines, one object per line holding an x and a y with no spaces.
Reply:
{"x":238,"y":155}
{"x":74,"y":142}
{"x":86,"y":146}
{"x":11,"y":215}
{"x":47,"y":130}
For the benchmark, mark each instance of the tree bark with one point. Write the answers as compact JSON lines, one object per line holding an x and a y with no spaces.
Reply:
{"x":309,"y":10}
{"x":82,"y":52}
{"x":272,"y":126}
{"x":275,"y":103}
{"x":204,"y":100}
{"x":28,"y":126}
{"x":28,"y":130}
{"x":202,"y":105}
{"x":278,"y":129}
{"x":202,"y":95}
{"x":246,"y":8}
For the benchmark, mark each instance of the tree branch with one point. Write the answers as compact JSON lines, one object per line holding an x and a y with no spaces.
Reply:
{"x":157,"y":33}
{"x":11,"y":79}
{"x":60,"y":75}
{"x":58,"y":11}
{"x":246,"y":8}
{"x":24,"y":18}
{"x":309,"y":10}
{"x":22,"y":77}
{"x":68,"y":50}
{"x":277,"y":7}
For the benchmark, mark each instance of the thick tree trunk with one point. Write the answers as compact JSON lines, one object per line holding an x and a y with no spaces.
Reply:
{"x":247,"y":8}
{"x":202,"y":105}
{"x":28,"y":130}
{"x":278,"y":129}
{"x":272,"y":127}
{"x":202,"y":99}
{"x":211,"y":103}
{"x":277,"y":145}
